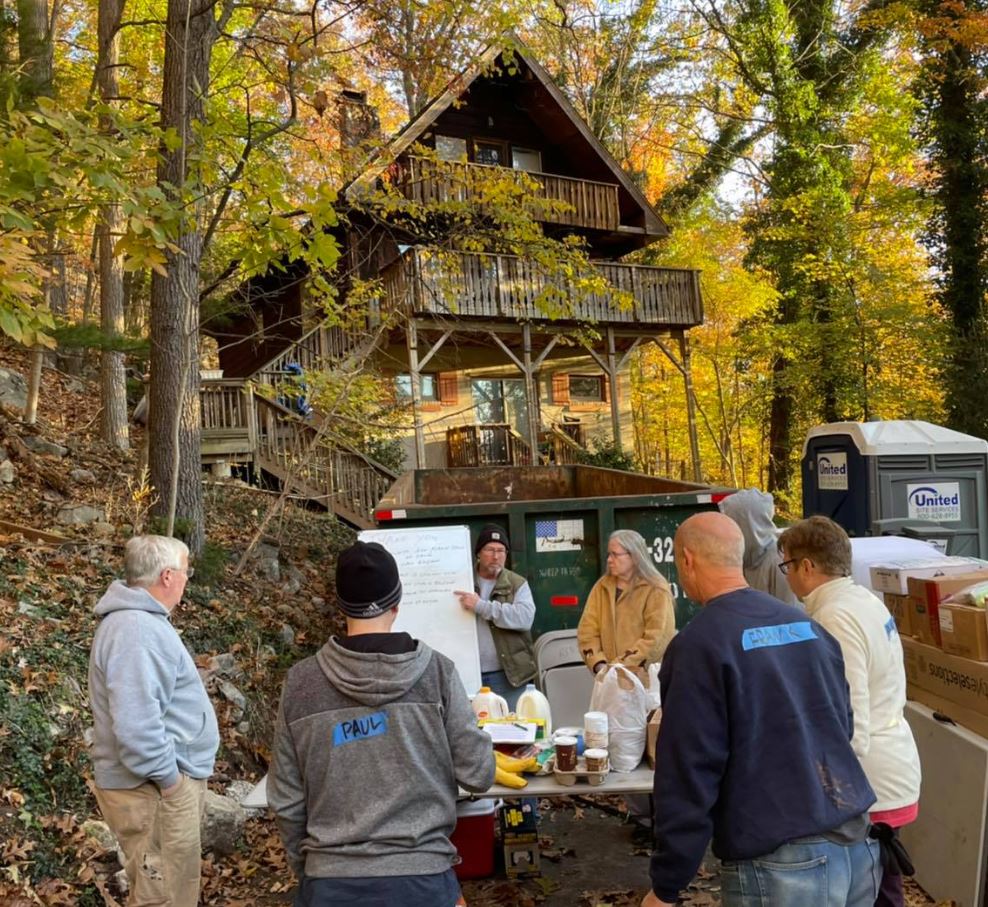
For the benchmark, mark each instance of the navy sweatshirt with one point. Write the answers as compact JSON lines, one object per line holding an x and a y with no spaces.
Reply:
{"x":754,"y":748}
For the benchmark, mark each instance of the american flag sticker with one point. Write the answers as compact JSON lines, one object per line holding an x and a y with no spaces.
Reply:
{"x":558,"y":535}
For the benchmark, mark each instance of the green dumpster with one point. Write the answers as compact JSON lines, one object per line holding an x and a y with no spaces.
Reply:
{"x":558,"y":519}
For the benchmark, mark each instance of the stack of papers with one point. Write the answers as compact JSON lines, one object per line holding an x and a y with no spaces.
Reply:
{"x":511,"y":732}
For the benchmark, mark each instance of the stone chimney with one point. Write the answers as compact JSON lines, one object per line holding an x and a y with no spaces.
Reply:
{"x":358,"y":122}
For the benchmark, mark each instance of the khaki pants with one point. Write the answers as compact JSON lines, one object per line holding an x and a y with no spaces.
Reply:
{"x":160,"y":840}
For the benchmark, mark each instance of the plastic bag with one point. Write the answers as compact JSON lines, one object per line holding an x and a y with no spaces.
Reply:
{"x":974,"y":595}
{"x":653,"y":696}
{"x":619,"y":693}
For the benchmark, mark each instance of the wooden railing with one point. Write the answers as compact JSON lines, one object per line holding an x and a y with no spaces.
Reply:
{"x":324,"y":343}
{"x":489,"y":444}
{"x":584,"y":203}
{"x":227,"y":413}
{"x":561,"y":448}
{"x":508,"y":287}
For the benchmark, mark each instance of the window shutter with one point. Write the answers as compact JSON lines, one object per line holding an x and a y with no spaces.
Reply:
{"x":560,"y":388}
{"x":449,"y":392}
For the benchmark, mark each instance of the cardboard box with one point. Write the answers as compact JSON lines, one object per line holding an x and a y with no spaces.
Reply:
{"x":652,"y":734}
{"x":945,"y":709}
{"x":964,"y":631}
{"x":957,"y":680}
{"x":898,"y":606}
{"x":520,"y":817}
{"x":892,"y":576}
{"x":924,"y":620}
{"x":934,"y":590}
{"x":522,"y":859}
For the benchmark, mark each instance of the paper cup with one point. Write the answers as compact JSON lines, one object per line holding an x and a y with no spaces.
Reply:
{"x":565,"y":753}
{"x":596,"y":760}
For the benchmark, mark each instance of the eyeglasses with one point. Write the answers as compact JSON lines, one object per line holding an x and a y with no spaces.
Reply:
{"x":188,"y":571}
{"x":618,"y":554}
{"x":785,"y":565}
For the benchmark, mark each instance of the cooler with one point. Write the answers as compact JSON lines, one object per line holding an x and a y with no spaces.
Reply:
{"x":473,"y":838}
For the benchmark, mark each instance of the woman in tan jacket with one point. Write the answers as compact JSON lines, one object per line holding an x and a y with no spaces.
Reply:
{"x":629,"y":616}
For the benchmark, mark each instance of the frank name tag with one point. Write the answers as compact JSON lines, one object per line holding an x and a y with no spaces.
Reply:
{"x":781,"y":635}
{"x":360,"y":728}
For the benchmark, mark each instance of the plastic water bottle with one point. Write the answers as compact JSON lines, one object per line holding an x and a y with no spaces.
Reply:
{"x":487,"y":704}
{"x":532,"y":704}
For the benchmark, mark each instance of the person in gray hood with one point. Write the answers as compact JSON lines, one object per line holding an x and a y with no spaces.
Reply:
{"x":374,"y":734}
{"x":753,"y":510}
{"x":155,"y":734}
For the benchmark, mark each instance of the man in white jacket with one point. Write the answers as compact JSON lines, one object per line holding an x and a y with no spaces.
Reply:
{"x":816,"y":560}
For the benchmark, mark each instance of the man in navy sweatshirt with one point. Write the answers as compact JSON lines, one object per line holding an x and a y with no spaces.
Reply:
{"x":754,"y":750}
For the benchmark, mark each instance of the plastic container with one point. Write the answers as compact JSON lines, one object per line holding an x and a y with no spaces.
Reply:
{"x":572,"y":732}
{"x":533,"y":704}
{"x":595,"y":730}
{"x":487,"y":704}
{"x":473,"y":838}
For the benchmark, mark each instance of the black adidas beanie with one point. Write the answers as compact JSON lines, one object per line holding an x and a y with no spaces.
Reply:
{"x":491,"y":533}
{"x":367,"y":582}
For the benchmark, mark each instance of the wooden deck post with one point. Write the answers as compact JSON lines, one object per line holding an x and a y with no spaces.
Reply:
{"x":411,"y":340}
{"x":531,"y":394}
{"x":612,"y":380}
{"x":684,"y":351}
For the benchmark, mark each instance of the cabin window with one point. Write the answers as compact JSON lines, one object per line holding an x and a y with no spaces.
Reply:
{"x":428,"y":384}
{"x":450,"y":148}
{"x":493,"y":153}
{"x":526,"y":159}
{"x":586,"y":388}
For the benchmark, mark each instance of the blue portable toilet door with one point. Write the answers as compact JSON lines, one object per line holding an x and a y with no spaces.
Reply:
{"x":836,"y":483}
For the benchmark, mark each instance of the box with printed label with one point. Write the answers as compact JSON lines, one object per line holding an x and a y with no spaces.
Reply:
{"x":520,"y":816}
{"x":963,"y":631}
{"x":898,"y":606}
{"x":924,"y":620}
{"x":892,"y":576}
{"x":521,"y":856}
{"x":955,"y":679}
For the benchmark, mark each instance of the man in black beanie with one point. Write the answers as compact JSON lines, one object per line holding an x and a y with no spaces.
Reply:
{"x":374,"y":733}
{"x":505,"y":610}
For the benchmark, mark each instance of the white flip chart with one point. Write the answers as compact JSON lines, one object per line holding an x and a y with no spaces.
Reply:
{"x":432,"y":562}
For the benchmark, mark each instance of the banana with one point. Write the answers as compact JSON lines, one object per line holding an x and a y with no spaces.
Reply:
{"x":513,"y":764}
{"x":508,"y":779}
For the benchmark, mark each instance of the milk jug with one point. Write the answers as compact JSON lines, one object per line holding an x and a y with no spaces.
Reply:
{"x":489,"y":705}
{"x":532,"y":704}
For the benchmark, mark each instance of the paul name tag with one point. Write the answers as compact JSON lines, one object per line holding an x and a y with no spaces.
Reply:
{"x":360,"y":728}
{"x":780,"y":635}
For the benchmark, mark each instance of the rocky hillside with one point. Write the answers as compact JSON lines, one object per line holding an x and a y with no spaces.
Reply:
{"x":67,"y":506}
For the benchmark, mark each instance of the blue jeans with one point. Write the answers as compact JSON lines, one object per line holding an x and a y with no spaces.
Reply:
{"x":810,"y":872}
{"x":498,"y":682}
{"x":437,"y":890}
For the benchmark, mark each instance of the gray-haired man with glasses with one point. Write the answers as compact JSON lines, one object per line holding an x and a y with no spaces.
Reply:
{"x":155,"y":733}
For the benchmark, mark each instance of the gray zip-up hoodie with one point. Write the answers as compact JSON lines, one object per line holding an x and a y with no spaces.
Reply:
{"x":152,"y":717}
{"x":369,"y":749}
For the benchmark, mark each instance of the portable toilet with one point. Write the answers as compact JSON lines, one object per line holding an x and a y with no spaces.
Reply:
{"x":870,"y":475}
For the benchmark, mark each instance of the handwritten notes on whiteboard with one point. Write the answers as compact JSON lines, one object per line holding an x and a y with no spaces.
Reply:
{"x":432,"y":562}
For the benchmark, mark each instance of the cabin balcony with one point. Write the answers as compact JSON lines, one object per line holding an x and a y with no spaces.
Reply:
{"x":507,"y":287}
{"x":586,"y":203}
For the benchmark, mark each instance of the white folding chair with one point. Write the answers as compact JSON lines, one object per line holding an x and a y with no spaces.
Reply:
{"x":563,"y":677}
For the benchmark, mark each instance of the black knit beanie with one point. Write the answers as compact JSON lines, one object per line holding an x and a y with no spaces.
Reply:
{"x":491,"y":533}
{"x":367,"y":582}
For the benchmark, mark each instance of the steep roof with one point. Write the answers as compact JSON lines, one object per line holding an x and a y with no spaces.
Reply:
{"x":580,"y":132}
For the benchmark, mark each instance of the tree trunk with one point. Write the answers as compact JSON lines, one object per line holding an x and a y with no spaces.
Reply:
{"x":780,"y":429}
{"x":174,"y":455}
{"x":35,"y":49}
{"x":113,"y":376}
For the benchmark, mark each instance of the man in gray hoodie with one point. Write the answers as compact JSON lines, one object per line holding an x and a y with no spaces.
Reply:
{"x":753,"y":511}
{"x":374,"y":734}
{"x":155,"y":733}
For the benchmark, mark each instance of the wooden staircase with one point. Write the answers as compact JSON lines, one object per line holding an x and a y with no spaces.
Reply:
{"x":242,"y":424}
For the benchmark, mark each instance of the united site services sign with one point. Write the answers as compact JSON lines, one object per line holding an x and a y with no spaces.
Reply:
{"x":831,"y":471}
{"x":936,"y":501}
